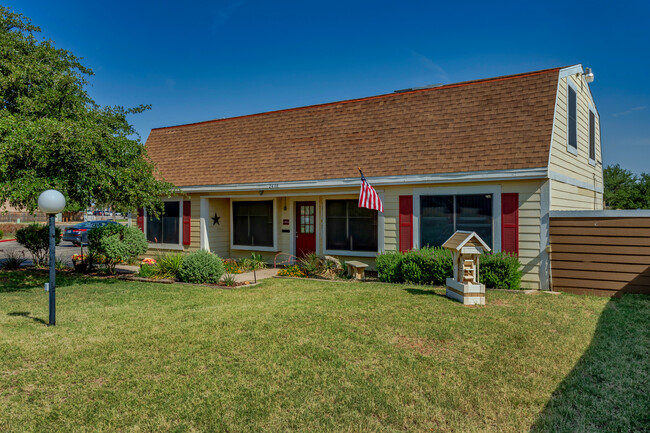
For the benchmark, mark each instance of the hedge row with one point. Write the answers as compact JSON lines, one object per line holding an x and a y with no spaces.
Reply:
{"x":434,"y":265}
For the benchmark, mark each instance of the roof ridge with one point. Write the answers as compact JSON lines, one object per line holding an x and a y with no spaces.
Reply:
{"x":368,"y":98}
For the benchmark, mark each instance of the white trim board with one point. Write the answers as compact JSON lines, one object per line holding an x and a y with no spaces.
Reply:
{"x":354,"y":182}
{"x":553,"y":175}
{"x":610,"y":213}
{"x":273,"y":248}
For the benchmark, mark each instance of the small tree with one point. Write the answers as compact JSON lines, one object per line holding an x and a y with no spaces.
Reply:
{"x":254,"y":263}
{"x":36,"y":239}
{"x":117,"y":244}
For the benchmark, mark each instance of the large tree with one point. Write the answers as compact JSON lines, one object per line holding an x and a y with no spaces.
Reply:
{"x":53,"y":135}
{"x":625,"y":190}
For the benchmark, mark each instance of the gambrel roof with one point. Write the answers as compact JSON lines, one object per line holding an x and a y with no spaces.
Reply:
{"x":491,"y":124}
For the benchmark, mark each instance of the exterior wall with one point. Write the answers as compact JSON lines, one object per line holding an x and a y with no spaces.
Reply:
{"x":571,"y":197}
{"x":217,"y":237}
{"x":574,"y":176}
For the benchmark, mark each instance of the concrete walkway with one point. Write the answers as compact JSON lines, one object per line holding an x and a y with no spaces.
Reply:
{"x":240,"y":278}
{"x":261,"y":275}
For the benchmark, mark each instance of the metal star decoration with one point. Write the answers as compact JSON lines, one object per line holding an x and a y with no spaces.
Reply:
{"x":215,"y":219}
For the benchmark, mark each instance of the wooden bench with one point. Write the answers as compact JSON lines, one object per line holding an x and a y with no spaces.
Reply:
{"x":356,"y":269}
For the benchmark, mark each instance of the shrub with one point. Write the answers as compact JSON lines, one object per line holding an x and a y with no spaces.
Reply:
{"x":147,"y":271}
{"x":13,"y":260}
{"x":117,"y":243}
{"x":201,"y":267}
{"x":36,"y":239}
{"x":291,"y":271}
{"x":10,"y":229}
{"x":1,"y":234}
{"x":229,"y":279}
{"x":169,"y":265}
{"x":389,"y":267}
{"x":500,"y":271}
{"x":424,"y":266}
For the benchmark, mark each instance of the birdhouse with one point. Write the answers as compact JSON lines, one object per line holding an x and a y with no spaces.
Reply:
{"x":466,"y":248}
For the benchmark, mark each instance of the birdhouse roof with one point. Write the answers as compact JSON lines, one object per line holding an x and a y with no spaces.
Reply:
{"x":464,"y":238}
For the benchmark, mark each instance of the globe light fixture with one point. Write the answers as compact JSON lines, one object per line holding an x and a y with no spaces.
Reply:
{"x":52,"y":202}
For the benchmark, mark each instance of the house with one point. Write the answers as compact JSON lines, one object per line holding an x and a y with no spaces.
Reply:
{"x":492,"y":156}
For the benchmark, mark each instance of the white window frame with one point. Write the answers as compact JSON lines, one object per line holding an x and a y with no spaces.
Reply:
{"x":569,"y":148}
{"x":167,"y":246}
{"x":495,"y":190}
{"x":592,"y":110}
{"x":380,"y":231}
{"x":273,"y":248}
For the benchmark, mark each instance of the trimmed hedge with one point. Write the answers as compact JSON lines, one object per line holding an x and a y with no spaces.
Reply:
{"x":434,"y":265}
{"x":500,"y":271}
{"x":201,"y":267}
{"x":423,"y":266}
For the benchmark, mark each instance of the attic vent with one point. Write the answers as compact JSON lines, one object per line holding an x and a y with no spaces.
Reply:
{"x":410,"y":89}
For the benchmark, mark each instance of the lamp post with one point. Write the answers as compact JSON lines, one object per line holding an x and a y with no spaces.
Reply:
{"x":52,"y":202}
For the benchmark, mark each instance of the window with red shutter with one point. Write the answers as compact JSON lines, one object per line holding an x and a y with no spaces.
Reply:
{"x":140,"y":220}
{"x":405,"y":222}
{"x":187,"y":222}
{"x":510,"y":223}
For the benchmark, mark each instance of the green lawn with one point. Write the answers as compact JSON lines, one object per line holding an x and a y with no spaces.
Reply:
{"x":294,"y":355}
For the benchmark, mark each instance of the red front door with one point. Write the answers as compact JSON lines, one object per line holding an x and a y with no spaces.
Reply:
{"x":305,"y":228}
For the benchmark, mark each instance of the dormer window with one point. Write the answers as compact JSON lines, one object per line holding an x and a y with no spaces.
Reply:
{"x":572,"y":121}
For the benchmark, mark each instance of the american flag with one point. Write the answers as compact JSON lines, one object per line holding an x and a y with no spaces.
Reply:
{"x":368,"y":197}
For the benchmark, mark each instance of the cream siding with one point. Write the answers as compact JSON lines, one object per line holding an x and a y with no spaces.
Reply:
{"x":565,"y":163}
{"x":570,"y":197}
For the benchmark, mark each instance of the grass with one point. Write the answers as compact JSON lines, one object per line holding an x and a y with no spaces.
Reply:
{"x":295,"y":355}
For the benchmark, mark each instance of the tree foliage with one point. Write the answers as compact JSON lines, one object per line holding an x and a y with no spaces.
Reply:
{"x":53,"y":135}
{"x":625,"y":190}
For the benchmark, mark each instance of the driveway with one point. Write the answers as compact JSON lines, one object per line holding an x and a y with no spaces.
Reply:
{"x":64,"y":251}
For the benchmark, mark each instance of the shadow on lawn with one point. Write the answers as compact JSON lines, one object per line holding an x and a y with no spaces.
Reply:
{"x":430,"y":292}
{"x":27,"y":315}
{"x":608,"y":389}
{"x":23,"y":280}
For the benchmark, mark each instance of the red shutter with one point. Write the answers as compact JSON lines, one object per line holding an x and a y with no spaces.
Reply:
{"x":405,"y":222}
{"x":510,"y":223}
{"x":140,"y":220}
{"x":187,"y":222}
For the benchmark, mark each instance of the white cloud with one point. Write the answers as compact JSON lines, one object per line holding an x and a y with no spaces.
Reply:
{"x":629,"y":111}
{"x":440,"y":73}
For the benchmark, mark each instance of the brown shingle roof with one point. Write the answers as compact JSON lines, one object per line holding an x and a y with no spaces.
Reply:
{"x":493,"y":124}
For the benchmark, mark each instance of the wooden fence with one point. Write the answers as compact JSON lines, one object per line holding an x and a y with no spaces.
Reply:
{"x":600,"y":252}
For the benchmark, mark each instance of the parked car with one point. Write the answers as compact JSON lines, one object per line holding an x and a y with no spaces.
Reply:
{"x":78,"y":234}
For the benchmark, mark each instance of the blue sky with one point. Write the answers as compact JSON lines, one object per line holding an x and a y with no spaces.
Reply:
{"x":196,"y":60}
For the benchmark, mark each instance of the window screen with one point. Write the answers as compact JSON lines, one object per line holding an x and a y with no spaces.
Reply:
{"x":253,"y":223}
{"x":165,"y":229}
{"x":442,"y":215}
{"x":349,"y":227}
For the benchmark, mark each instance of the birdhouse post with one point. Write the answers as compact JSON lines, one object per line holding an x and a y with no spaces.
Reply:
{"x":466,"y":248}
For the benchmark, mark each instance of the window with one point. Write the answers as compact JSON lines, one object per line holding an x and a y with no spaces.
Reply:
{"x":442,"y":215}
{"x":253,"y":223}
{"x":349,"y":227}
{"x":572,"y":122}
{"x":592,"y":136}
{"x":165,"y":229}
